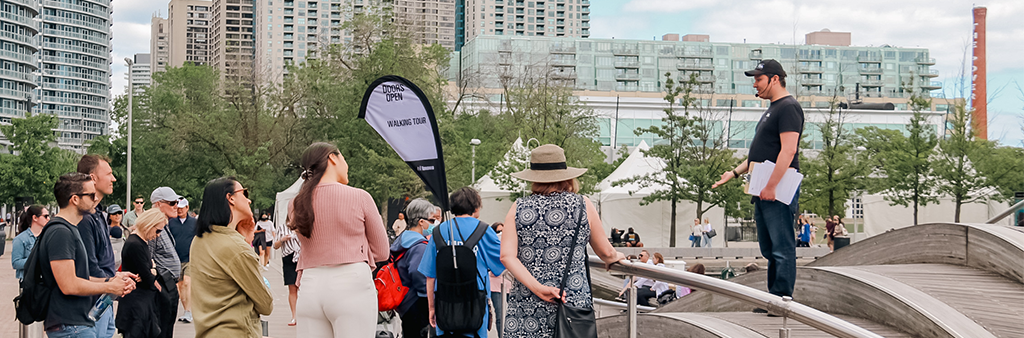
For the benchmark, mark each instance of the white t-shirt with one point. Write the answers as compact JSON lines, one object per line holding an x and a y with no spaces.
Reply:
{"x":697,"y":230}
{"x":707,"y":227}
{"x":269,"y":227}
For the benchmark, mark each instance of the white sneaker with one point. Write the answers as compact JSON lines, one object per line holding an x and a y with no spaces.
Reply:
{"x":186,"y":318}
{"x":266,"y":268}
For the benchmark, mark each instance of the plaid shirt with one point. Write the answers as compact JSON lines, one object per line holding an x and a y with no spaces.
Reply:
{"x":164,"y":255}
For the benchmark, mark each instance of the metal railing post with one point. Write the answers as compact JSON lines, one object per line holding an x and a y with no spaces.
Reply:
{"x":784,"y":331}
{"x":632,"y":307}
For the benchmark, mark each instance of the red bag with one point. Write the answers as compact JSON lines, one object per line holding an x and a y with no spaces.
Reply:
{"x":390,"y":291}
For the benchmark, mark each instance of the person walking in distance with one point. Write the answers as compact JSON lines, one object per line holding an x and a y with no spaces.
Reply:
{"x":96,"y":234}
{"x":776,"y":139}
{"x":342,"y":236}
{"x":137,"y":313}
{"x":165,"y":257}
{"x":289,"y":245}
{"x":399,"y":225}
{"x":229,"y":294}
{"x":139,"y":204}
{"x":62,"y":247}
{"x":268,"y":235}
{"x":696,"y":233}
{"x":183,"y":230}
{"x":706,"y":241}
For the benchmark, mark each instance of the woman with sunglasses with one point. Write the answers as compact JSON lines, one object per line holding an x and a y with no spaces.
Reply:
{"x":342,"y":236}
{"x":228,"y":293}
{"x":137,"y":313}
{"x":32,"y":220}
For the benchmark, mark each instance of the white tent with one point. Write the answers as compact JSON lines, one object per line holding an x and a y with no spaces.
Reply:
{"x":496,"y":200}
{"x":282,"y":200}
{"x":880,"y":217}
{"x":622,"y":210}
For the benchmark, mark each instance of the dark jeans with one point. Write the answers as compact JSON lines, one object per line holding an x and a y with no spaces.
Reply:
{"x":498,"y":304}
{"x":778,"y":242}
{"x":644,"y":294}
{"x":416,"y":321}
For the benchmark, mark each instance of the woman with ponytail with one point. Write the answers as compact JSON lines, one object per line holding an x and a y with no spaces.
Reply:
{"x":342,"y":237}
{"x":33,"y":220}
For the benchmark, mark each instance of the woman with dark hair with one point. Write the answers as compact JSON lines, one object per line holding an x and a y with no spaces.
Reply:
{"x":342,"y":236}
{"x":228,"y":293}
{"x":33,"y":220}
{"x":555,"y":210}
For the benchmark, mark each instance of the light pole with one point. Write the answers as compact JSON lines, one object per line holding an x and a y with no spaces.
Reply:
{"x":472,"y":144}
{"x":131,"y":92}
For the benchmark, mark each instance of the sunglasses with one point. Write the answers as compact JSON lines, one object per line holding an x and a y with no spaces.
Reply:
{"x":91,"y":195}
{"x":158,"y":231}
{"x":245,"y":192}
{"x":139,"y":202}
{"x":47,"y":216}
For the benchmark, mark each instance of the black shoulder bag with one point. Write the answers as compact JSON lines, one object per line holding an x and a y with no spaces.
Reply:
{"x":574,"y":322}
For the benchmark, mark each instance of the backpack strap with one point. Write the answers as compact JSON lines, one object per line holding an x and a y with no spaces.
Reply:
{"x":481,"y":229}
{"x":438,"y":239}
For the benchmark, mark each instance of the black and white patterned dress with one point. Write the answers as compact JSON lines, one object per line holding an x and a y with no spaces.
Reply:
{"x":545,"y":225}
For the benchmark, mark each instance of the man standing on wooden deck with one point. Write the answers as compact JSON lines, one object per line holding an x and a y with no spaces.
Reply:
{"x":776,"y":139}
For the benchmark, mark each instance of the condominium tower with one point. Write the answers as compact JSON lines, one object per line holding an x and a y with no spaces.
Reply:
{"x":140,"y":72}
{"x":232,"y":40}
{"x":428,"y":21}
{"x":75,"y":68}
{"x":17,"y":58}
{"x":558,"y":18}
{"x":189,"y":22}
{"x":159,"y":44}
{"x":290,"y":31}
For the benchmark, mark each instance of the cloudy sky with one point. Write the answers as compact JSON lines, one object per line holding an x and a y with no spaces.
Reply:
{"x":942,"y":26}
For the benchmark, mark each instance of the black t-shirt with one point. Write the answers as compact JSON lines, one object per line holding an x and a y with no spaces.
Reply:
{"x":61,"y":243}
{"x":632,"y":237}
{"x":784,"y":115}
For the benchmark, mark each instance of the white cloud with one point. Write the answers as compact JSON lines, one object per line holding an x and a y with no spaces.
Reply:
{"x":130,"y":35}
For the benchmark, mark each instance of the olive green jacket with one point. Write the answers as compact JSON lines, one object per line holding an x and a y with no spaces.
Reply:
{"x":228,"y":293}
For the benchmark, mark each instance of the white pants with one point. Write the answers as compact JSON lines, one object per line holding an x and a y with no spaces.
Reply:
{"x":337,"y":301}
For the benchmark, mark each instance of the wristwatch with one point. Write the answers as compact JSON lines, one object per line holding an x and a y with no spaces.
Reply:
{"x":735,"y":174}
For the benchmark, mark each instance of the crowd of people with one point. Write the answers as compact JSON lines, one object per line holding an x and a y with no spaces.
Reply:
{"x":333,"y":242}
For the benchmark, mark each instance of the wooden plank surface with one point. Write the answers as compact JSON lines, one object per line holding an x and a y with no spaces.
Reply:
{"x":987,"y":298}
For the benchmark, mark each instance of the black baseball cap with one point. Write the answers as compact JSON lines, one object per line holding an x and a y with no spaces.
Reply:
{"x":768,"y":66}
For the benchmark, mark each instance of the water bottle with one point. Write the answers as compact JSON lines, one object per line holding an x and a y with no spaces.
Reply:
{"x":101,"y":305}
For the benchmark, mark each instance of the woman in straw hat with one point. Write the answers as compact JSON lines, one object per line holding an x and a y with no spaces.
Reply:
{"x":541,"y":242}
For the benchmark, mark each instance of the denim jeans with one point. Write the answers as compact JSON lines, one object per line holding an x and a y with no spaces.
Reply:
{"x":72,"y":331}
{"x":105,"y":325}
{"x":778,"y":242}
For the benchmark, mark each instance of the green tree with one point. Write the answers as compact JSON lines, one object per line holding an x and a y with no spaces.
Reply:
{"x":832,"y":173}
{"x":956,"y":155}
{"x":36,"y":162}
{"x":903,"y":163}
{"x":694,"y":153}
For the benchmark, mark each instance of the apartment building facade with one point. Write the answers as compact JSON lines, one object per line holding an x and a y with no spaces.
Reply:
{"x":140,"y":72}
{"x":18,"y":58}
{"x":75,"y":61}
{"x":190,"y":22}
{"x":555,"y":18}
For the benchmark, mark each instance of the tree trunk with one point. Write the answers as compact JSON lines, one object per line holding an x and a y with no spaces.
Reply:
{"x":915,"y":211}
{"x":672,"y":233}
{"x":956,"y":216}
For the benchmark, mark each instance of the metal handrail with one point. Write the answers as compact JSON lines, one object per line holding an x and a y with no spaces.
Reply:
{"x":774,"y":304}
{"x":622,"y":305}
{"x":1006,"y":212}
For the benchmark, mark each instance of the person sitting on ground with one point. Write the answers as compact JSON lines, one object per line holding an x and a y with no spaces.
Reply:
{"x":751,"y":267}
{"x":662,"y":289}
{"x":696,"y":268}
{"x":616,"y":237}
{"x":632,"y":239}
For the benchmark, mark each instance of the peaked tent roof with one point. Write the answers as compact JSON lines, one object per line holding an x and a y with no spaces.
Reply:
{"x":486,"y":184}
{"x":635,"y":165}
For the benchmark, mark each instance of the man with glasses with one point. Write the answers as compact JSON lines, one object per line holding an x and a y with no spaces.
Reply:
{"x":129,"y":217}
{"x":165,"y":258}
{"x":61,"y":244}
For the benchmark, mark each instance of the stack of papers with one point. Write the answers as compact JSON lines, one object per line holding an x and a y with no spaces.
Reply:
{"x":761,"y":172}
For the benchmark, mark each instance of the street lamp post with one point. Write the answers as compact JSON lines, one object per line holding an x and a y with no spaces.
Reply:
{"x":131,"y":92}
{"x":472,"y":144}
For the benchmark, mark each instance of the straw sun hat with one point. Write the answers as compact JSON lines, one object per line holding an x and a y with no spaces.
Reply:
{"x":547,"y":165}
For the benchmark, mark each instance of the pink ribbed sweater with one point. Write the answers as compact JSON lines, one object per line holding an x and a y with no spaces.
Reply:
{"x":346,"y":228}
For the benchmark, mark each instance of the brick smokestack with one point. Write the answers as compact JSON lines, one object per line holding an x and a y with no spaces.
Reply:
{"x":979,"y":95}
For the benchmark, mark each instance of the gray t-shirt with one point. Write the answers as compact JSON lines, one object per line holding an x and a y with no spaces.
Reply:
{"x":61,"y":243}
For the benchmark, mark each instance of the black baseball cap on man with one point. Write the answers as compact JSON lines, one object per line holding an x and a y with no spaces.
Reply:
{"x":769,"y":66}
